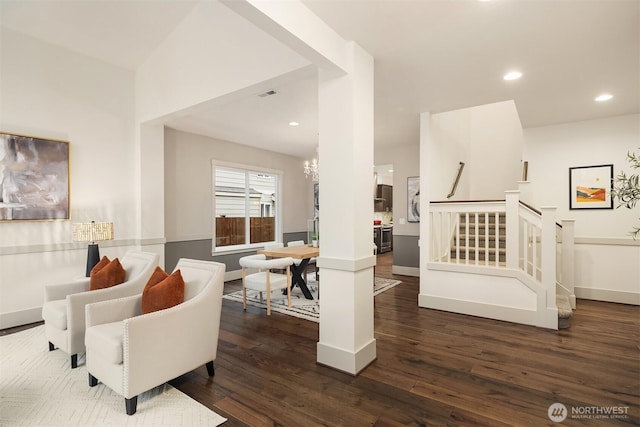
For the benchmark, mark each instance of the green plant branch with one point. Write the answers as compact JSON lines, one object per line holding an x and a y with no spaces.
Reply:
{"x":627,"y":188}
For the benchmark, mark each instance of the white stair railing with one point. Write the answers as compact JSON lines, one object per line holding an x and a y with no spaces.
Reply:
{"x":506,"y":234}
{"x":466,"y":232}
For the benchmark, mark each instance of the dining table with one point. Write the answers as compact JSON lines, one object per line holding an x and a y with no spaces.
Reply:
{"x":304,"y":253}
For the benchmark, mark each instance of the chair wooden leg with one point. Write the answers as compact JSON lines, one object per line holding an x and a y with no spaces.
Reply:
{"x":268,"y":304}
{"x":244,"y":297}
{"x":74,"y":361}
{"x":211,"y":369}
{"x":51,"y":346}
{"x":93,"y":381}
{"x":131,"y":405}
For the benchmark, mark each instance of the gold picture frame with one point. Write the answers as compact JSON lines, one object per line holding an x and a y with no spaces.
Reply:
{"x":34,"y":178}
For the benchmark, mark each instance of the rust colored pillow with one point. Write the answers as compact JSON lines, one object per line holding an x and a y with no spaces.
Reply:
{"x":102,"y":263}
{"x":162,"y":291}
{"x":110,"y":274}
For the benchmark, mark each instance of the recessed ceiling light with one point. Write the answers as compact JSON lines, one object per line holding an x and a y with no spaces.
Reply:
{"x":512,"y":75}
{"x":604,"y":97}
{"x":294,"y":124}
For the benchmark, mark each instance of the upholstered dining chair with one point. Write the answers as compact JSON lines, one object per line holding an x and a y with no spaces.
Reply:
{"x":63,"y":310}
{"x":265,"y":281}
{"x":131,"y":352}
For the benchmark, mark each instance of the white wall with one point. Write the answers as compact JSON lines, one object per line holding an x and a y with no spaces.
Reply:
{"x":552,"y":150}
{"x":211,"y":53}
{"x":212,"y":56}
{"x":188,"y":186}
{"x":607,"y":259}
{"x":406,"y":163}
{"x":488,"y":139}
{"x":52,"y":92}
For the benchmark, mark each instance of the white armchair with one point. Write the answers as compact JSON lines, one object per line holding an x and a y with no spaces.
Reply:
{"x":63,"y":310}
{"x":265,"y":281}
{"x":132,"y":352}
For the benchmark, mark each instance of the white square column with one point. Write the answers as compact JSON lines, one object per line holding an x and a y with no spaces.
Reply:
{"x":346,"y":215}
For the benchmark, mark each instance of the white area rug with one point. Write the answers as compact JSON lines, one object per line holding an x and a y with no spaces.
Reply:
{"x":300,"y":306}
{"x":39,"y":388}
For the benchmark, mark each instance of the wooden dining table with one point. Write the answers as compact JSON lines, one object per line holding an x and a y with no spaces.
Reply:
{"x":303,"y":253}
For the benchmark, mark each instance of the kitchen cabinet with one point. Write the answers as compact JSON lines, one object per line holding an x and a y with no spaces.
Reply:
{"x":384,"y":198}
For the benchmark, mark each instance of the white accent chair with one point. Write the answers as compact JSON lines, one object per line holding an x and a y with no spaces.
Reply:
{"x":63,"y":310}
{"x":273,"y":245}
{"x":265,"y":281}
{"x":131,"y":352}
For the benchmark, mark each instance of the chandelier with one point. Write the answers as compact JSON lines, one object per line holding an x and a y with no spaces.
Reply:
{"x":311,"y":169}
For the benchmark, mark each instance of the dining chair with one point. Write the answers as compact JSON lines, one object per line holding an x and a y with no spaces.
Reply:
{"x":268,"y":246}
{"x":273,"y":245}
{"x":265,"y":280}
{"x":375,"y":253}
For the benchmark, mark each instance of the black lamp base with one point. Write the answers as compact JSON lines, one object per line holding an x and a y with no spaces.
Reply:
{"x":93,"y":256}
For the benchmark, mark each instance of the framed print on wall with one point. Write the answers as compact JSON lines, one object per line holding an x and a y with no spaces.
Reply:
{"x":590,"y":187}
{"x":34,"y":178}
{"x":413,"y":199}
{"x":316,"y":201}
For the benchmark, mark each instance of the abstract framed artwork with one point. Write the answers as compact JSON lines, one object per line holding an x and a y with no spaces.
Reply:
{"x":413,"y":199}
{"x":34,"y":178}
{"x":590,"y":187}
{"x":316,"y":200}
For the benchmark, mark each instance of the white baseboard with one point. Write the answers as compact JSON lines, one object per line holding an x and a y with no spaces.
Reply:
{"x":346,"y":360}
{"x":405,"y":271}
{"x":489,"y":311}
{"x":608,"y":295}
{"x":19,"y":318}
{"x":232,"y":275}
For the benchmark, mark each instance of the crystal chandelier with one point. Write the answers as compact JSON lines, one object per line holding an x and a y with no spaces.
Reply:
{"x":311,"y":169}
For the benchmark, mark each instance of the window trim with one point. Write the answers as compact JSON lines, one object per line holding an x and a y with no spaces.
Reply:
{"x":279,"y":196}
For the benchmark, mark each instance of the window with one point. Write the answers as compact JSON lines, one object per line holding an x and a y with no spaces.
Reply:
{"x":246,"y":206}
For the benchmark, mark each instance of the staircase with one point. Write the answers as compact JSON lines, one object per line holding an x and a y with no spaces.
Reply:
{"x":564,"y":311}
{"x":477,"y":238}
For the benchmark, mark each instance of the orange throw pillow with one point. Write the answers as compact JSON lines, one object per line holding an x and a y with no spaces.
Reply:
{"x":106,"y":274}
{"x":162,"y":291}
{"x":102,"y":263}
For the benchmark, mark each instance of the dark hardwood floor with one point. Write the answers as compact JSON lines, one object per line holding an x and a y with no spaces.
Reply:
{"x":432,"y":368}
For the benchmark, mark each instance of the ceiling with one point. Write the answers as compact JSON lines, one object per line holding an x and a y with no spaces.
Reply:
{"x":430,"y":55}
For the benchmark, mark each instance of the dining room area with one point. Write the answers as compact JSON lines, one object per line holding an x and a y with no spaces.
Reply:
{"x":294,"y":280}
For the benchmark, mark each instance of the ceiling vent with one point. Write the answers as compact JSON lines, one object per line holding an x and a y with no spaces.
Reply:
{"x":268,"y":93}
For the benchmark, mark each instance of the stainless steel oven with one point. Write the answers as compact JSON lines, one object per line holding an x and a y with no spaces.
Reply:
{"x":386,"y":239}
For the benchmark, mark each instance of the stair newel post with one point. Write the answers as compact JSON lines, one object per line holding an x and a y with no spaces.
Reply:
{"x":548,"y":254}
{"x":513,"y":235}
{"x":568,"y":259}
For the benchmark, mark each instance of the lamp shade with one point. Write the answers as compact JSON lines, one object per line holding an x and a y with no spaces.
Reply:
{"x":92,"y":231}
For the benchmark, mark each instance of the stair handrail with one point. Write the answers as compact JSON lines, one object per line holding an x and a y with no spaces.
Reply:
{"x":454,"y":187}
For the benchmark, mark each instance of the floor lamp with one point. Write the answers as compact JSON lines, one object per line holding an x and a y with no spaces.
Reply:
{"x":92,"y":232}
